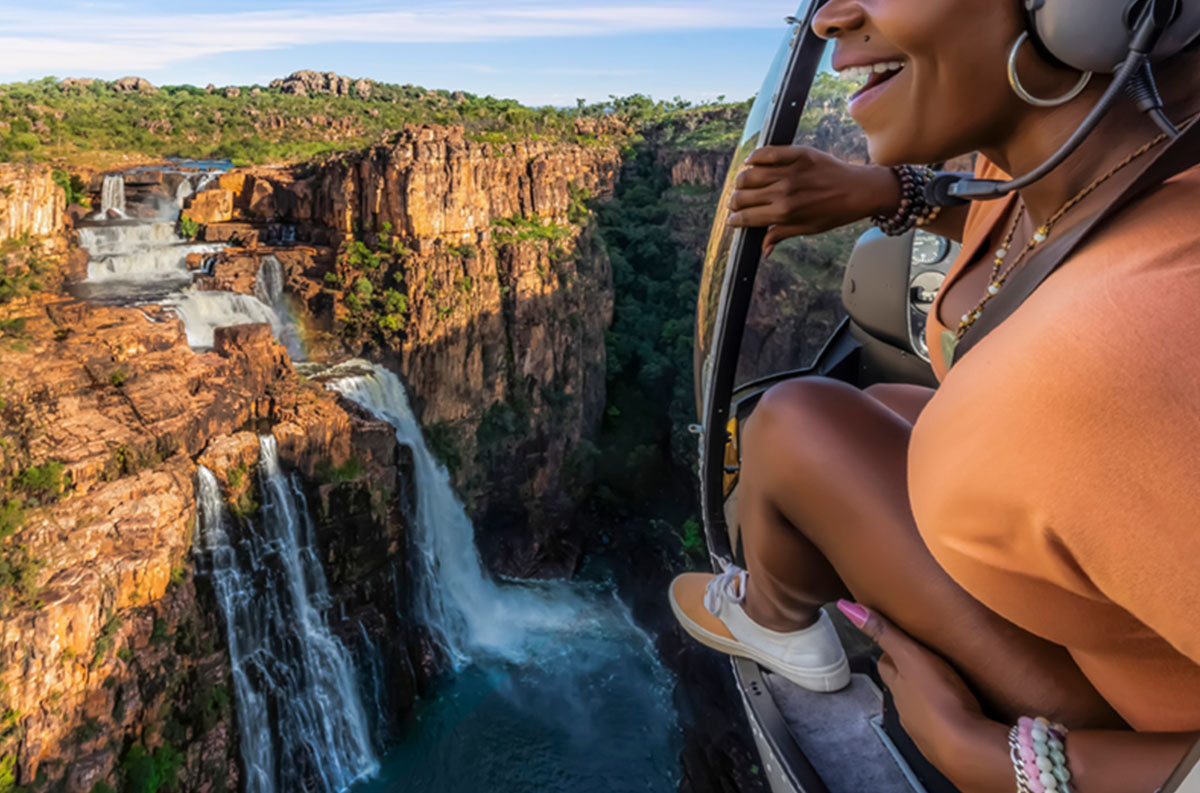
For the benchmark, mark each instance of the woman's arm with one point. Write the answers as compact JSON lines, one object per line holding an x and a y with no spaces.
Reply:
{"x":797,"y":190}
{"x":1101,"y":761}
{"x":948,"y":725}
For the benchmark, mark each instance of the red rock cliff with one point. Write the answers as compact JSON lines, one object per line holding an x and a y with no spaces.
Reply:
{"x":505,"y":298}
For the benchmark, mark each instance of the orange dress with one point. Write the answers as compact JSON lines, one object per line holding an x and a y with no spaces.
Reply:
{"x":1055,"y":474}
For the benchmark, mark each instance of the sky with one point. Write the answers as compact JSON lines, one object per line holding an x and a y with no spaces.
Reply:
{"x":536,"y":51}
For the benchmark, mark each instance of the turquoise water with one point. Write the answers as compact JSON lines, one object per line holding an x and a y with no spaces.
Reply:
{"x":593,"y":715}
{"x":553,"y":688}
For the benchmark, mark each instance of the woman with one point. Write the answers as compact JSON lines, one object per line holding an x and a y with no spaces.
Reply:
{"x":1030,"y":529}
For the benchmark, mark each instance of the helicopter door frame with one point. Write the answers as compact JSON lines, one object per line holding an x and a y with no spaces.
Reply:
{"x":783,"y":119}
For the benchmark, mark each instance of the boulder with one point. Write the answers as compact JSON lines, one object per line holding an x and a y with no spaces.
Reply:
{"x":210,"y":206}
{"x":129,"y":85}
{"x":233,"y":91}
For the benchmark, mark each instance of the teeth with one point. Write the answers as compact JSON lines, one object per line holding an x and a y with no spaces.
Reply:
{"x":865,"y":72}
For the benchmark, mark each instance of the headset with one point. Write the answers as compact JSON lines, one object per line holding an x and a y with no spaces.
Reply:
{"x":1118,"y":37}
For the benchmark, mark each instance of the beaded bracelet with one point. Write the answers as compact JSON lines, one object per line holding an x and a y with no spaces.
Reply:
{"x":914,"y":209}
{"x":1037,"y":749}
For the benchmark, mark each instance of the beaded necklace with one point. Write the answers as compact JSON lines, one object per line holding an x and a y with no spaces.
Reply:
{"x":1000,"y":274}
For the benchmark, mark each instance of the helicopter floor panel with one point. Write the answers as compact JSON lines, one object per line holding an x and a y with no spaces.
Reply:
{"x":840,"y":736}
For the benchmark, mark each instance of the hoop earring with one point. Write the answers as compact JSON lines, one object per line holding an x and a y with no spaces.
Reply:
{"x":1029,"y":98}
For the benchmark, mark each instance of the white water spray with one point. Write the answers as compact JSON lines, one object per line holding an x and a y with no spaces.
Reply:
{"x":469,"y":613}
{"x":300,"y":713}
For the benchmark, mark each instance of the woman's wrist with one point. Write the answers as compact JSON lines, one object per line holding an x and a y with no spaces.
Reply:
{"x":882,"y":189}
{"x":977,"y":757}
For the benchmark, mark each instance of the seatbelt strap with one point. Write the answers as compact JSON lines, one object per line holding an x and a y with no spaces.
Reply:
{"x":1178,"y":156}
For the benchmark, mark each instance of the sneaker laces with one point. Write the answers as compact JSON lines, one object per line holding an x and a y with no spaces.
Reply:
{"x":728,"y":585}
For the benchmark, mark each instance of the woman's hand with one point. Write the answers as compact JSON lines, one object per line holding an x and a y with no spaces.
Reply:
{"x":946,"y":722}
{"x":937,"y":710}
{"x":798,"y":190}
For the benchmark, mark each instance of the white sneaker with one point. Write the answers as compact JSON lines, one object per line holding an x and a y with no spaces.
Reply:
{"x":709,"y":608}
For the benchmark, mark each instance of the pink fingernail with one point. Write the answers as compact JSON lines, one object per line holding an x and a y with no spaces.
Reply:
{"x":854,"y":612}
{"x":769,"y":251}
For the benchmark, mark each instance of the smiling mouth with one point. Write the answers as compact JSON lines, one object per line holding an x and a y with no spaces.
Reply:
{"x":873,"y":75}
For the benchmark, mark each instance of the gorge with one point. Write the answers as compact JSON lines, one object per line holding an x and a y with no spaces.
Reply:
{"x":358,"y":471}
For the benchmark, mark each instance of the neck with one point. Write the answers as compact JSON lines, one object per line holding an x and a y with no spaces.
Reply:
{"x":1038,"y":135}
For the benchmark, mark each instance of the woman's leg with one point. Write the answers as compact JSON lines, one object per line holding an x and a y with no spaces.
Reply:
{"x":824,"y":513}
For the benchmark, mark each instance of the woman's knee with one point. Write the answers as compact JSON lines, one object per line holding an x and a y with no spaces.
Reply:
{"x":792,"y":408}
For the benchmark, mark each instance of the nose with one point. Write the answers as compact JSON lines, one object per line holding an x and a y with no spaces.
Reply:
{"x":838,"y":17}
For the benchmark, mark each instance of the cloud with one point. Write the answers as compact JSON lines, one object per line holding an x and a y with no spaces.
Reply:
{"x":94,"y":38}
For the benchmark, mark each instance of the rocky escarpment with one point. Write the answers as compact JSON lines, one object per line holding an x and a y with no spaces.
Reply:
{"x":113,"y":663}
{"x":470,"y":269}
{"x":31,"y":204}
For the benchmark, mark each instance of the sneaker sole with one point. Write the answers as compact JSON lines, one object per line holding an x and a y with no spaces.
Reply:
{"x":824,"y":680}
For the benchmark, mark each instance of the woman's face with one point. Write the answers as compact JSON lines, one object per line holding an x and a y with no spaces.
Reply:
{"x":951,"y":95}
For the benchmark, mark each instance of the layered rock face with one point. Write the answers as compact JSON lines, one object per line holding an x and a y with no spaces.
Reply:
{"x":30,"y":202}
{"x":470,"y":270}
{"x":112,"y":649}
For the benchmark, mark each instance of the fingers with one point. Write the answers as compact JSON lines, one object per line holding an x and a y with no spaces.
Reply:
{"x":760,"y":176}
{"x":780,"y":232}
{"x":756,"y":217}
{"x":890,"y":639}
{"x":741,"y":199}
{"x":777,"y":155}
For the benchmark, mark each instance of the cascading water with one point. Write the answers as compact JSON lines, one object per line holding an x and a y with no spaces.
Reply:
{"x":112,"y":194}
{"x":556,"y":688}
{"x":147,"y":262}
{"x":300,"y":714}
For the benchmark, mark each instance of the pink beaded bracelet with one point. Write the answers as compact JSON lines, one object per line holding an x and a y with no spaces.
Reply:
{"x":1038,"y":750}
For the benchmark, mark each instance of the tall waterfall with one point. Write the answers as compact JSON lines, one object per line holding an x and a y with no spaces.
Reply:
{"x":112,"y":194}
{"x":300,"y":715}
{"x":468,"y":611}
{"x":557,"y":688}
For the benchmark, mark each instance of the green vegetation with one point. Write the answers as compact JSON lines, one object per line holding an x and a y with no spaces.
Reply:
{"x":118,"y":378}
{"x":18,"y":577}
{"x":42,"y":484}
{"x":104,"y":641}
{"x":23,"y":269}
{"x":691,"y":539}
{"x":337,"y":474}
{"x":48,"y":119}
{"x":160,"y":633}
{"x":147,"y":772}
{"x":441,"y":439}
{"x":189,"y":228}
{"x":245,"y":504}
{"x":8,"y":781}
{"x":73,"y":186}
{"x":520,"y":229}
{"x":375,"y":309}
{"x":12,"y":517}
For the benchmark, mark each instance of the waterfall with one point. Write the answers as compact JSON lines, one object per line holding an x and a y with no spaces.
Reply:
{"x":142,"y":251}
{"x":112,"y":194}
{"x":300,"y":713}
{"x":468,"y":612}
{"x":140,"y":262}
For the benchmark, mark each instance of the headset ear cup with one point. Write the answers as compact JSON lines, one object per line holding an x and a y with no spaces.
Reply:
{"x":1035,"y":37}
{"x":1094,"y":35}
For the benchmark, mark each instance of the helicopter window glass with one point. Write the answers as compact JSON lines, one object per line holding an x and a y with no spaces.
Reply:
{"x":797,"y":295}
{"x":720,"y":243}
